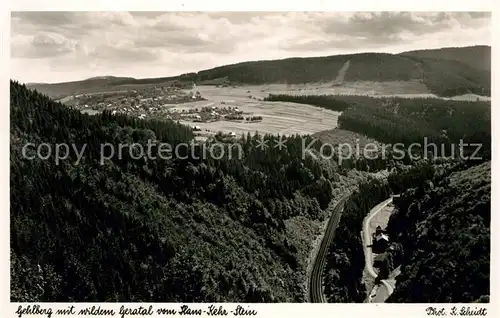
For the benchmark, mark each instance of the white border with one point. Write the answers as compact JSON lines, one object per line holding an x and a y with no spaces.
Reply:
{"x":7,"y":309}
{"x":255,"y":5}
{"x":272,"y":310}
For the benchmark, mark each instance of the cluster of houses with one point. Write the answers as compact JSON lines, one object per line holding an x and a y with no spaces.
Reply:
{"x":207,"y":114}
{"x":380,"y":240}
{"x":381,"y":244}
{"x":141,"y":103}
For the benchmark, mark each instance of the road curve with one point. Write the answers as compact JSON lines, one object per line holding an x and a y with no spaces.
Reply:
{"x":382,"y":293}
{"x":316,"y":278}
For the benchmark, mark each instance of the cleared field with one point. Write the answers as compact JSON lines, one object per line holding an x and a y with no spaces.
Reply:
{"x":289,"y":118}
{"x":405,"y":89}
{"x":470,"y":97}
{"x":328,"y":88}
{"x":278,"y":117}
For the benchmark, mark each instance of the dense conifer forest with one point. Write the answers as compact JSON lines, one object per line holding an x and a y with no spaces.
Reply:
{"x":239,"y":229}
{"x":407,"y":121}
{"x":442,"y":227}
{"x":440,"y":230}
{"x":156,"y":230}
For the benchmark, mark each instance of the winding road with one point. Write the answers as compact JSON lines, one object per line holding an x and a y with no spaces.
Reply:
{"x":381,"y":292}
{"x":316,"y":294}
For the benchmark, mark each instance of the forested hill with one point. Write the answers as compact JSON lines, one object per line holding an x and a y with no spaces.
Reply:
{"x":443,"y":77}
{"x":478,"y":56}
{"x":156,"y":230}
{"x":443,"y":231}
{"x":445,"y":72}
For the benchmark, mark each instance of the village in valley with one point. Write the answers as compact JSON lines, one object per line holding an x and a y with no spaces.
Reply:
{"x":162,"y":103}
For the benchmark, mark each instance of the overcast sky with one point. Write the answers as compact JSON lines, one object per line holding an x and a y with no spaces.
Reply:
{"x":64,"y":46}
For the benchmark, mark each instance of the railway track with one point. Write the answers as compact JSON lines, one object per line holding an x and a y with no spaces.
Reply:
{"x":315,"y":293}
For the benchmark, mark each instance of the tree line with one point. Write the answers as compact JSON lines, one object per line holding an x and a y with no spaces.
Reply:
{"x":426,"y":121}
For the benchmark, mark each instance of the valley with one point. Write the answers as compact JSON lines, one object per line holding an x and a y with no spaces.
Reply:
{"x":277,"y":118}
{"x":273,"y":225}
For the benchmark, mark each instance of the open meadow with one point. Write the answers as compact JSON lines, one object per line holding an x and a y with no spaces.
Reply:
{"x":290,"y":118}
{"x":278,"y":117}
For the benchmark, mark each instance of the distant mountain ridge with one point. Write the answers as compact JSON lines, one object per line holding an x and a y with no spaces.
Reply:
{"x":446,"y":72}
{"x":107,"y":77}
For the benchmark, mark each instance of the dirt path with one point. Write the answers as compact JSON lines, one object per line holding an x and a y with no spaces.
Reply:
{"x":341,"y":74}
